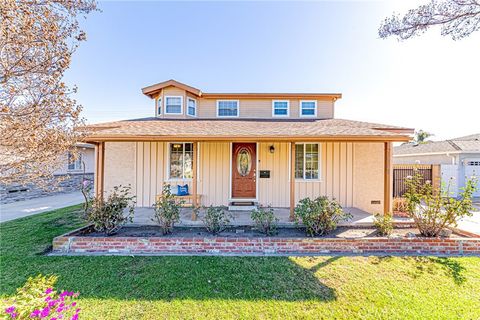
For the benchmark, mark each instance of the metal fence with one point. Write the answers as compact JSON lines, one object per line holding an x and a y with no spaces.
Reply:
{"x":402,"y":171}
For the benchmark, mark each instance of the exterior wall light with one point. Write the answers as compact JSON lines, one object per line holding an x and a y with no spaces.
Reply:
{"x":272,"y":149}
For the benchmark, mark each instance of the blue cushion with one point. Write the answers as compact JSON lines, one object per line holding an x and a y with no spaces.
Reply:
{"x":182,"y":190}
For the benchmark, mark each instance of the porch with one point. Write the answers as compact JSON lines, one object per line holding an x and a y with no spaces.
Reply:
{"x":143,"y":216}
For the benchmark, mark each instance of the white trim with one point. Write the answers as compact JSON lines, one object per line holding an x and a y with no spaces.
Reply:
{"x":238,"y":108}
{"x":165,"y":105}
{"x":196,"y":107}
{"x":230,"y":197}
{"x":319,"y":179}
{"x":156,"y":106}
{"x":169,"y":179}
{"x":308,"y":115}
{"x":281,"y":115}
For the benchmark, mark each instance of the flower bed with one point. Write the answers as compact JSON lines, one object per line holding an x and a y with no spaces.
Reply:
{"x":289,"y":241}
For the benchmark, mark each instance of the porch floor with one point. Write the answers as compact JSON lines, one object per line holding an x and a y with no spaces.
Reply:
{"x":144,"y":215}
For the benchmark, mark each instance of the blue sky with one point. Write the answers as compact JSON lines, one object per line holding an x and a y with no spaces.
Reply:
{"x":429,"y":82}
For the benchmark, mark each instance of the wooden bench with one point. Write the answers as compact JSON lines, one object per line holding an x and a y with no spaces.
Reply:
{"x":188,"y":199}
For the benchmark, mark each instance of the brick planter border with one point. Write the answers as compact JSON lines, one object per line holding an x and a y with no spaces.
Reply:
{"x":72,"y":244}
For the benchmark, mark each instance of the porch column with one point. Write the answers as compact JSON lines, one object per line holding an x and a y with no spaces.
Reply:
{"x":194,"y":181}
{"x":100,"y":165}
{"x":387,"y":183}
{"x":292,"y":179}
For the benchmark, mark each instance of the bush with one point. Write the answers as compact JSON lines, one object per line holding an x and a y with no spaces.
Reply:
{"x":265,"y":220}
{"x":319,"y":216}
{"x":167,"y":210}
{"x":37,"y":300}
{"x":107,"y":215}
{"x":216,"y":219}
{"x":383,"y":223}
{"x":433,"y":210}
{"x":399,"y":204}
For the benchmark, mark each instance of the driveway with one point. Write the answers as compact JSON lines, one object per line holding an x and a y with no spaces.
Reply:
{"x":19,"y":209}
{"x":471,"y":224}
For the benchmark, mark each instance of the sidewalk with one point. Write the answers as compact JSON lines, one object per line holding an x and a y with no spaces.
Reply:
{"x":19,"y":209}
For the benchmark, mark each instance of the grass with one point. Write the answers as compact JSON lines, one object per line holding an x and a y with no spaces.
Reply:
{"x":239,"y":287}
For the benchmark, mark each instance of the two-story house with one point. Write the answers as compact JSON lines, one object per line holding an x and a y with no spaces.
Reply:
{"x":238,"y":149}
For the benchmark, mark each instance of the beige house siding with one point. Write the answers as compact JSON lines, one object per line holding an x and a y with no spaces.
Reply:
{"x":352,"y":173}
{"x":120,"y":165}
{"x":88,"y":158}
{"x":249,"y":108}
{"x":368,"y":183}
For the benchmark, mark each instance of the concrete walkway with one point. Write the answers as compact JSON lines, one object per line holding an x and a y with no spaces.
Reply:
{"x":19,"y":209}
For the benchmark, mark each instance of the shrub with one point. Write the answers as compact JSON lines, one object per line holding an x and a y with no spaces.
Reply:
{"x":107,"y":215}
{"x":383,"y":223}
{"x":167,"y":210}
{"x":319,"y":216}
{"x":216,"y":219}
{"x":433,"y":210}
{"x":38,"y":300}
{"x":399,"y":204}
{"x":265,"y":220}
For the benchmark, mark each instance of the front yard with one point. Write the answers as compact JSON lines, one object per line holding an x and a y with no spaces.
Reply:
{"x":235,"y":287}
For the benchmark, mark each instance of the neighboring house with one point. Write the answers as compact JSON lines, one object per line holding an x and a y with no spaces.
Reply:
{"x":238,"y":149}
{"x":69,"y":178}
{"x":459,"y":158}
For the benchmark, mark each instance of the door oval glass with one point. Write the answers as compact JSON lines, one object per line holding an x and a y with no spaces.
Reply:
{"x":244,"y":162}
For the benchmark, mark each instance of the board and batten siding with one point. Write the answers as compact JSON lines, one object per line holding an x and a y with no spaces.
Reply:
{"x":352,"y":173}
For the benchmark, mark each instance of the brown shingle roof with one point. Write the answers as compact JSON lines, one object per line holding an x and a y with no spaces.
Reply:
{"x":222,"y":129}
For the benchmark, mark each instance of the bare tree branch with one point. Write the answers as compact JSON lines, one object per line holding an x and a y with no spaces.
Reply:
{"x":457,"y":18}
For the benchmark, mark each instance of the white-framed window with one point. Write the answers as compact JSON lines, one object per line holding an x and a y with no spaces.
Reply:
{"x":192,"y":107}
{"x":308,"y":108}
{"x":180,"y":162}
{"x":228,"y":108}
{"x":159,"y":106}
{"x":307,"y":161}
{"x":280,"y":108}
{"x":174,"y":105}
{"x":74,"y":164}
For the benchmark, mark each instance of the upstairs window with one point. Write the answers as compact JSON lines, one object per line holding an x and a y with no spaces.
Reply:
{"x":308,"y":108}
{"x":173,"y":105}
{"x":181,"y":160}
{"x":307,"y":161}
{"x":159,"y":106}
{"x":280,"y":108}
{"x":227,"y":108}
{"x":74,"y":164}
{"x":192,"y":107}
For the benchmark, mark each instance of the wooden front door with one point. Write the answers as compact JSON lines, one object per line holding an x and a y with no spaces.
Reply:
{"x":244,"y":166}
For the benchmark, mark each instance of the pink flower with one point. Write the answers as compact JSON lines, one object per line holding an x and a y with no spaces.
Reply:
{"x":10,"y":309}
{"x":35,"y":313}
{"x":48,"y":291}
{"x":74,"y":304}
{"x":48,"y":298}
{"x":45,"y":312}
{"x":86,"y":183}
{"x":74,"y":317}
{"x":13,"y":315}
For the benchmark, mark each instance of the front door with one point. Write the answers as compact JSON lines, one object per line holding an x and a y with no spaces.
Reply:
{"x":244,"y":160}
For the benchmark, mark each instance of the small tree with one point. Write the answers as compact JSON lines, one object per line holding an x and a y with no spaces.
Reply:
{"x":457,"y":18}
{"x":319,"y":216}
{"x":107,"y":215}
{"x":265,"y":220}
{"x":216,"y":219}
{"x":433,"y":210}
{"x":167,"y":210}
{"x":422,"y":136}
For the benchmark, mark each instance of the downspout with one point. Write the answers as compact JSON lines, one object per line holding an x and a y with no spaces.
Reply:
{"x":453,"y":157}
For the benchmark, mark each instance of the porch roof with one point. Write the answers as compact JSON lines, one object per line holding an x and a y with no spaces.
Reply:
{"x":149,"y":129}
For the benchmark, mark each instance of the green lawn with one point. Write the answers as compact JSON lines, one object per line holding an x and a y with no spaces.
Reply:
{"x":240,"y":288}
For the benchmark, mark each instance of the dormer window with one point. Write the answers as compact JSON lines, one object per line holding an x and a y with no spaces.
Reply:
{"x":174,"y":105}
{"x":280,"y":108}
{"x":308,"y":108}
{"x":159,"y":106}
{"x":227,"y":108}
{"x":192,"y":107}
